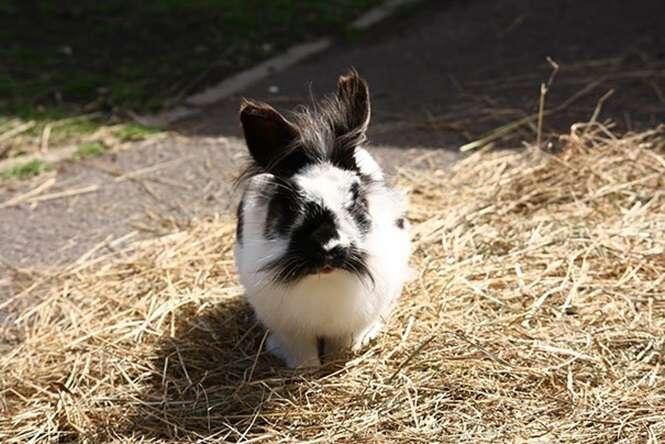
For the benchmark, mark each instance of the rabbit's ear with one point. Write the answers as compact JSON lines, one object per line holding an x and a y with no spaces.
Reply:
{"x":351,"y":125}
{"x":269,"y":136}
{"x":353,"y":93}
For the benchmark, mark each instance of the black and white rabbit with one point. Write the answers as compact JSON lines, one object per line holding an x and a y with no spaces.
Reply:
{"x":322,"y":241}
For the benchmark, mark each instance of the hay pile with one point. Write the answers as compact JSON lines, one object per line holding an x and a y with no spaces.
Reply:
{"x":538,"y":312}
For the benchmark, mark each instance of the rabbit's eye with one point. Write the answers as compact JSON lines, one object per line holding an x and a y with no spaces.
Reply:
{"x":358,"y":208}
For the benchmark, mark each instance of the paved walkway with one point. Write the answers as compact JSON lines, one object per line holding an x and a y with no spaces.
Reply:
{"x":440,"y":75}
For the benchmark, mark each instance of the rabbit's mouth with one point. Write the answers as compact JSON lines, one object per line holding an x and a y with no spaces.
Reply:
{"x":297,"y":265}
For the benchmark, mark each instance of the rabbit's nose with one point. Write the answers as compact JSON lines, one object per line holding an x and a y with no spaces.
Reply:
{"x":336,"y":256}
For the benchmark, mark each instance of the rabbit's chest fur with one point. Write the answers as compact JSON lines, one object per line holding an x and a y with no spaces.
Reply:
{"x":335,"y":304}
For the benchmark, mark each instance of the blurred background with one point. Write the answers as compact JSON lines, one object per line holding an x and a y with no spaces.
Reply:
{"x":85,"y":86}
{"x":75,"y":66}
{"x":103,"y":62}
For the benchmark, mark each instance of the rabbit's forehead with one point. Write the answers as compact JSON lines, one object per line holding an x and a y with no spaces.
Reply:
{"x":326,"y":182}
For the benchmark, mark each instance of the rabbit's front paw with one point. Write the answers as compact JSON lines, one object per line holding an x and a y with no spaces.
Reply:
{"x":295,"y":351}
{"x":363,"y":339}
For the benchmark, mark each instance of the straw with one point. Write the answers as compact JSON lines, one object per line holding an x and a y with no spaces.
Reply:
{"x":537,"y":313}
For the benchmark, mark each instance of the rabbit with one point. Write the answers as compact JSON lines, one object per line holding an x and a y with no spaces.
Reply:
{"x":323,"y":242}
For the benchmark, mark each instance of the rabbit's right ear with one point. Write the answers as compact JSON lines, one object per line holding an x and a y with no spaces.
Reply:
{"x":269,"y":135}
{"x":353,"y":93}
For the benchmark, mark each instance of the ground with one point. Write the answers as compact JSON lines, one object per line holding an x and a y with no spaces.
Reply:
{"x":441,"y":75}
{"x":536,"y":314}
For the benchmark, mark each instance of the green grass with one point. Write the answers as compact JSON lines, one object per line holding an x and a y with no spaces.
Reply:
{"x":64,"y":128}
{"x":119,"y":55}
{"x":29,"y":169}
{"x":90,"y":149}
{"x":131,"y":132}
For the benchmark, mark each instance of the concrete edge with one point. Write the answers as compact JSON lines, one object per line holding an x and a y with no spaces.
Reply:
{"x":380,"y":13}
{"x":240,"y":81}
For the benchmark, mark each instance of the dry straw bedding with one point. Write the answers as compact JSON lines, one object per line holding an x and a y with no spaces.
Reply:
{"x":537,"y":312}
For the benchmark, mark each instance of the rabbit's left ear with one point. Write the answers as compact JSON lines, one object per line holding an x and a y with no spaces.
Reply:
{"x":269,"y":137}
{"x":353,"y":93}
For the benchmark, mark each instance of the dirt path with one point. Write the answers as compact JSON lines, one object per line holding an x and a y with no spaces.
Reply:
{"x":439,"y":77}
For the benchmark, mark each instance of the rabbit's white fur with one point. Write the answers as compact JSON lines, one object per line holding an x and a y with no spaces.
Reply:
{"x":344,"y":309}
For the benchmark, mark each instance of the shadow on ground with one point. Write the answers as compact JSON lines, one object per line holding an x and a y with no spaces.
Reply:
{"x":211,"y":381}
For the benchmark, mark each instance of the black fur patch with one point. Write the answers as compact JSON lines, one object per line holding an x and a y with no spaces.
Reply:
{"x":294,"y":266}
{"x":400,"y":223}
{"x":240,"y":221}
{"x":270,"y":137}
{"x":317,"y":229}
{"x":355,"y":190}
{"x":327,"y":133}
{"x":360,"y":208}
{"x":283,"y":209}
{"x":305,"y":254}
